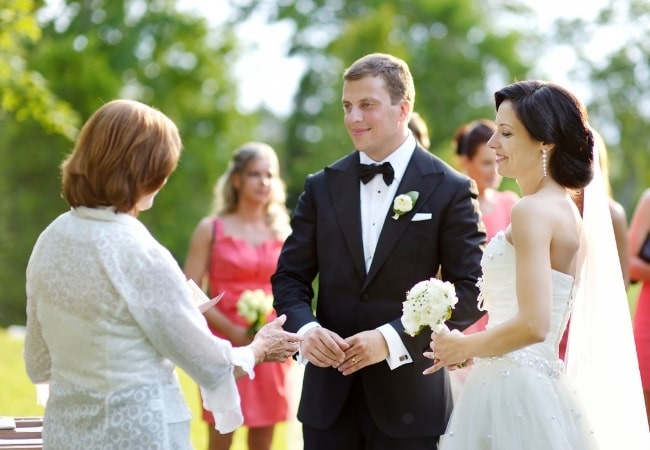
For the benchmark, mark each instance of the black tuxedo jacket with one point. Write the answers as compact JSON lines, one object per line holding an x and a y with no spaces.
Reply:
{"x":326,"y":242}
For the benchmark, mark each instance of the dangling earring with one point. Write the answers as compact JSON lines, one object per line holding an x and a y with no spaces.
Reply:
{"x":544,"y":159}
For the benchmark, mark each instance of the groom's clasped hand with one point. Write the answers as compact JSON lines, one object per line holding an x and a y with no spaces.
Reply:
{"x":325,"y":348}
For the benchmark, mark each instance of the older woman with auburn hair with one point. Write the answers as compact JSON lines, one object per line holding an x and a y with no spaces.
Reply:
{"x":109,"y":311}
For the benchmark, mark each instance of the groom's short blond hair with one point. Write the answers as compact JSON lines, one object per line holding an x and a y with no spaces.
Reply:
{"x":394,"y":71}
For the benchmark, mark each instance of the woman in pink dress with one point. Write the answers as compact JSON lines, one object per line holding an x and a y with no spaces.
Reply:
{"x":479,"y":163}
{"x":235,"y":250}
{"x":640,"y":270}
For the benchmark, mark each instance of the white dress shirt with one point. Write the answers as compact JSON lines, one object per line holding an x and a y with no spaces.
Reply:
{"x":376,"y":198}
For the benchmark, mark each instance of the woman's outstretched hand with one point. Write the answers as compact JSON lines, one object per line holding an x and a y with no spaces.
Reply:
{"x":446,"y":351}
{"x":273,"y":344}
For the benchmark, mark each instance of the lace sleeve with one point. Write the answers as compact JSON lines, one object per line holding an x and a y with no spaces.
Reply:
{"x":35,"y":352}
{"x":161,"y":303}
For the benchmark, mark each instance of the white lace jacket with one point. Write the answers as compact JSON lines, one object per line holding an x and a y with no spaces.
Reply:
{"x":108,"y":316}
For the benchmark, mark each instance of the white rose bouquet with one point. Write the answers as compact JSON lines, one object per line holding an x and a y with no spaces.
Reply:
{"x":428,"y":304}
{"x":254,"y":305}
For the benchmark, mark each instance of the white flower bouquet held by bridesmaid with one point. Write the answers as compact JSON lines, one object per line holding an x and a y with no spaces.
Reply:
{"x":255,"y":305}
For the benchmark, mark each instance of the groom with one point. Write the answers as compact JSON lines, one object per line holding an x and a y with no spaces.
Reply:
{"x":363,"y":387}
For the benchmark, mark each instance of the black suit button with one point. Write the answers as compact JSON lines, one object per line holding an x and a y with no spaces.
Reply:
{"x":365,"y":298}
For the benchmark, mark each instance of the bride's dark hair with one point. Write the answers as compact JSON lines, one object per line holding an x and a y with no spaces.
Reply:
{"x":554,"y":115}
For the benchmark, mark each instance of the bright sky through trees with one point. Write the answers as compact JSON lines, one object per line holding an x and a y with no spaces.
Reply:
{"x":267,"y":78}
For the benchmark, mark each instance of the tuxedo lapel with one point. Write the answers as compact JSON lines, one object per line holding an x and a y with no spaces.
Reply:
{"x":420,"y":176}
{"x":343,"y":185}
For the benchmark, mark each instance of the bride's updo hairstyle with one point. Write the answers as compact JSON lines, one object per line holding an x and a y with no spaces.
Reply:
{"x":551,"y":114}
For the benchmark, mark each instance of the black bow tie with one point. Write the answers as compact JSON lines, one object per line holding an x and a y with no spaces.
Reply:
{"x":366,"y":172}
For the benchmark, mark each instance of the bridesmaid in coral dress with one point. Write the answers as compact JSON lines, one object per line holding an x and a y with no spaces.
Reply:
{"x":640,"y":270}
{"x":479,"y":163}
{"x":234,"y":250}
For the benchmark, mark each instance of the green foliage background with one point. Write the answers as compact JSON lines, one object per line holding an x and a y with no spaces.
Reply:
{"x":57,"y":68}
{"x":92,"y":52}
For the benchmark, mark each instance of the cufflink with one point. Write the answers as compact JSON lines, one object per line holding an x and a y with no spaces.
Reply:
{"x":403,"y":358}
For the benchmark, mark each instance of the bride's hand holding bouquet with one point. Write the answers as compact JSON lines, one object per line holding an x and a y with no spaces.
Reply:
{"x":447,"y":350}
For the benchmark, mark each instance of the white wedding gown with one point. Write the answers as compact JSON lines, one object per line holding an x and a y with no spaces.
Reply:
{"x":520,"y":400}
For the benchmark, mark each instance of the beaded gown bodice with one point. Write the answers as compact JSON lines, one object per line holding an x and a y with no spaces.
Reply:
{"x":498,"y":297}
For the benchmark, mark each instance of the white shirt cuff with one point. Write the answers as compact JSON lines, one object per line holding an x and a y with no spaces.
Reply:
{"x":224,"y":401}
{"x":42,"y":393}
{"x":225,"y":404}
{"x":243,"y":357}
{"x":398,"y":355}
{"x":301,"y":332}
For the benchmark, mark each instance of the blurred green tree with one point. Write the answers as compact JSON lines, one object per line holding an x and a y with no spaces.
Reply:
{"x":92,"y":51}
{"x":24,"y":93}
{"x":55,"y":71}
{"x":611,"y":58}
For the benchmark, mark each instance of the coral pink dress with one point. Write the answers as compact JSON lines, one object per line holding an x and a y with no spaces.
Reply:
{"x":499,"y":217}
{"x":497,"y":220}
{"x":642,"y":333}
{"x":235,"y":267}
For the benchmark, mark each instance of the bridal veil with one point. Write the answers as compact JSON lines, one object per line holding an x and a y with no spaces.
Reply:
{"x":601,"y":356}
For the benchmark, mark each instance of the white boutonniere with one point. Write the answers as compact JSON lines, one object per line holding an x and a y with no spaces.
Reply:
{"x":404,"y":203}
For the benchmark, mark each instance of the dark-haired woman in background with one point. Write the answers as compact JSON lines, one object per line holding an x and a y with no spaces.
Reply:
{"x":479,"y":163}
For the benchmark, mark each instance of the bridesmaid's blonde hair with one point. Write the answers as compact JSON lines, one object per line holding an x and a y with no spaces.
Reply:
{"x":226,"y":197}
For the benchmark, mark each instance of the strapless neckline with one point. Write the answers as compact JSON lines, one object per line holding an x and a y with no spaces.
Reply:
{"x":502,"y":235}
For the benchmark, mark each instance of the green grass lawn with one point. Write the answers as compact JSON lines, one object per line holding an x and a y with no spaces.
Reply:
{"x":18,"y":398}
{"x":633,"y":295}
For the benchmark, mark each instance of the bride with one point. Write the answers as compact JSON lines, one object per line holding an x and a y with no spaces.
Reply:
{"x":551,"y":262}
